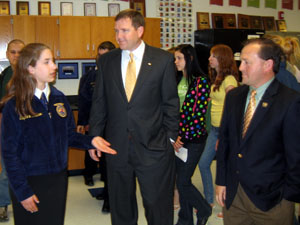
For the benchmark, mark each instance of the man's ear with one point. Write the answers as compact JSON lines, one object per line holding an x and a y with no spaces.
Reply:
{"x":269,"y":65}
{"x":140,"y":31}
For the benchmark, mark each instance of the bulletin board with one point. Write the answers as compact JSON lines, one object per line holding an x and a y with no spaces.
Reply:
{"x":176,"y":22}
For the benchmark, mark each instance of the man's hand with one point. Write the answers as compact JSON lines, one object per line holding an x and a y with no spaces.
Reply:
{"x":178,"y":144}
{"x":221,"y":195}
{"x":30,"y":204}
{"x":94,"y":155}
{"x":102,"y":146}
{"x":80,"y":129}
{"x":217,"y":145}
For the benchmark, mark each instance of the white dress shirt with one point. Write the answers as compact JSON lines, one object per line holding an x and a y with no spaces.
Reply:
{"x":138,"y":54}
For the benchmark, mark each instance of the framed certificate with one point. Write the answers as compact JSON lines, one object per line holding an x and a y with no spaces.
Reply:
{"x":281,"y":25}
{"x":113,"y":9}
{"x":218,"y":20}
{"x":138,"y":5}
{"x":256,"y":22}
{"x":269,"y":23}
{"x":90,"y":9}
{"x":66,"y":8}
{"x":44,"y":8}
{"x":22,"y":8}
{"x":230,"y":21}
{"x":203,"y":20}
{"x":243,"y":21}
{"x":4,"y":8}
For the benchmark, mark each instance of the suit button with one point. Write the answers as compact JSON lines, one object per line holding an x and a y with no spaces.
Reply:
{"x":237,"y":172}
{"x":240,"y":155}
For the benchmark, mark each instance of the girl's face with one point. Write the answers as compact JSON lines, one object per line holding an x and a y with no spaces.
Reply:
{"x":44,"y":70}
{"x":179,"y":61}
{"x":213,"y":61}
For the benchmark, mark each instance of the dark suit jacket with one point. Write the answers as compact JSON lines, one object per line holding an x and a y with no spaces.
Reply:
{"x":266,"y":162}
{"x":151,"y":116}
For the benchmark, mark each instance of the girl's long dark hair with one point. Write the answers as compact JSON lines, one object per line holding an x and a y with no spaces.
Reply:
{"x":22,"y":84}
{"x":192,"y":66}
{"x":227,"y":65}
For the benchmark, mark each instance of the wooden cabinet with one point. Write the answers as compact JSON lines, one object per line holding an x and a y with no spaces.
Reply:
{"x":41,"y":29}
{"x":102,"y":29}
{"x":152,"y":32}
{"x":80,"y":36}
{"x":46,"y":31}
{"x":74,"y":37}
{"x":5,"y":34}
{"x":24,"y":28}
{"x":70,"y":37}
{"x":76,"y":156}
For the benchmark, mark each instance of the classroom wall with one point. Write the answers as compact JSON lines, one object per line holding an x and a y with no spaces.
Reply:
{"x":292,"y":17}
{"x":70,"y":87}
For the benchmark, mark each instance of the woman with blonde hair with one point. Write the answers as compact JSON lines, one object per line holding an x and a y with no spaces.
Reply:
{"x":291,"y":49}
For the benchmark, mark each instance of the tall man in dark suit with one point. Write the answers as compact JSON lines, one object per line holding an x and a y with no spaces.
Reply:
{"x":137,"y":124}
{"x":258,"y":166}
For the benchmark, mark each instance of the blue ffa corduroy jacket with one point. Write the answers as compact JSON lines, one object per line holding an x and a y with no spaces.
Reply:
{"x":38,"y":145}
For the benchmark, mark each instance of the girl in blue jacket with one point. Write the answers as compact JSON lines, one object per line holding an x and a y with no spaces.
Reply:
{"x":37,"y":129}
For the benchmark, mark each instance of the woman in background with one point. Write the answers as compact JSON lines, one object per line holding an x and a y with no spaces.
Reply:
{"x":291,"y":49}
{"x":37,"y":128}
{"x":193,"y":91}
{"x":287,"y":73}
{"x":224,"y":76}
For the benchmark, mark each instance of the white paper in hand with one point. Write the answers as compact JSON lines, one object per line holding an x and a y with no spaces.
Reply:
{"x":182,"y":152}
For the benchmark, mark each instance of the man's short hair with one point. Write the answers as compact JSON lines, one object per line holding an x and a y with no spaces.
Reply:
{"x":135,"y":16}
{"x":15,"y":41}
{"x":268,"y":50}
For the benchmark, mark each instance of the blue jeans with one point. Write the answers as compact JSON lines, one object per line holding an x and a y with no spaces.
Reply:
{"x":206,"y":159}
{"x":4,"y":194}
{"x":189,"y":196}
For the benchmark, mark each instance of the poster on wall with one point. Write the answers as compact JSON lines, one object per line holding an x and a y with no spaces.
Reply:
{"x":253,"y":3}
{"x":287,"y":4}
{"x":176,"y":26}
{"x":235,"y":3}
{"x":216,"y":2}
{"x":271,"y":4}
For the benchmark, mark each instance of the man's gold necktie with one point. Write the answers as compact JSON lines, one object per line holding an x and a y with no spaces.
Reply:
{"x":130,"y":77}
{"x":249,"y":112}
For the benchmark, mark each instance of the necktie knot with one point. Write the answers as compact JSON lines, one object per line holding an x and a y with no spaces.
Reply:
{"x":253,"y":93}
{"x":44,"y":100}
{"x":131,"y":57}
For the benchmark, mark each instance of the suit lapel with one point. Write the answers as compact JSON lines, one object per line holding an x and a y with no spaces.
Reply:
{"x":241,"y":102}
{"x":262,"y":108}
{"x":144,"y":72}
{"x":117,"y":73}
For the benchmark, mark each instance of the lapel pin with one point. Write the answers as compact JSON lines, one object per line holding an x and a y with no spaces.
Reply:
{"x":149,"y":64}
{"x":264,"y":104}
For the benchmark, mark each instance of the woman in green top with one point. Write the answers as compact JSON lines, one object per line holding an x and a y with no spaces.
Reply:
{"x":193,"y":91}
